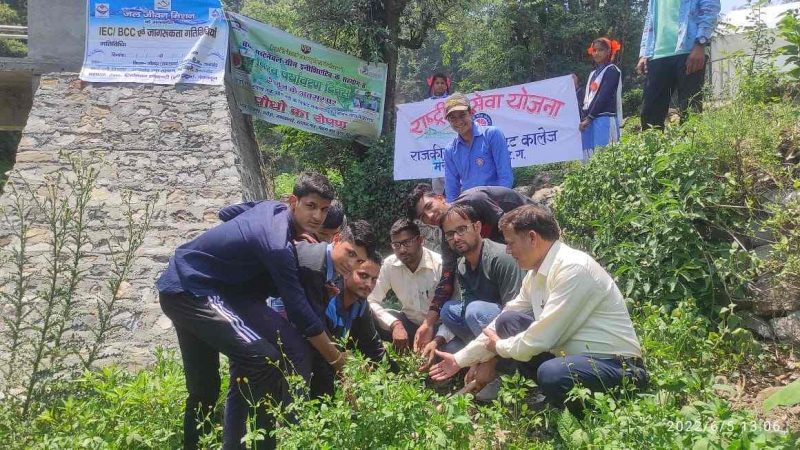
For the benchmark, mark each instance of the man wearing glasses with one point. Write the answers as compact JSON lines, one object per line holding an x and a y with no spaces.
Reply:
{"x":412,"y":273}
{"x":489,"y":203}
{"x":488,"y":278}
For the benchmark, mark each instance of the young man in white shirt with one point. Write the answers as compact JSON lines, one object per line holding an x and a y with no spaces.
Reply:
{"x":413,"y":273}
{"x":569,"y":324}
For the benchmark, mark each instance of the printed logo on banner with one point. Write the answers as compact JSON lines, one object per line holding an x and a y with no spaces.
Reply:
{"x":101,"y":10}
{"x":306,"y":49}
{"x":237,"y":25}
{"x":163,"y":5}
{"x":483,"y":119}
{"x":214,"y":13}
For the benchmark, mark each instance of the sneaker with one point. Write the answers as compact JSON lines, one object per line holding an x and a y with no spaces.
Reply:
{"x":489,"y":392}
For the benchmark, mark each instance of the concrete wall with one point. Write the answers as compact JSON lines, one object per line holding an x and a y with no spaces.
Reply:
{"x":724,"y":61}
{"x":57,"y":33}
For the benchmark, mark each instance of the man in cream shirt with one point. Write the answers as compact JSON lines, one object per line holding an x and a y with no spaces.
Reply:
{"x":569,"y":324}
{"x":413,"y":273}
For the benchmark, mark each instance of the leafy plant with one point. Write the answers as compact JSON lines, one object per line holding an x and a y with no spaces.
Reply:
{"x":788,"y":395}
{"x":41,"y":341}
{"x":789,"y":28}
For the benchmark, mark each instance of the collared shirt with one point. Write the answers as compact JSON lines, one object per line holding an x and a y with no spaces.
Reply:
{"x":697,"y":18}
{"x":355,"y":324}
{"x":577,"y":308}
{"x":414,"y":289}
{"x":340,"y":318}
{"x":485,"y":162}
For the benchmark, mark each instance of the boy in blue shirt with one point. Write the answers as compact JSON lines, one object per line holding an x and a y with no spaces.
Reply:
{"x":213,"y":290}
{"x":478,"y":156}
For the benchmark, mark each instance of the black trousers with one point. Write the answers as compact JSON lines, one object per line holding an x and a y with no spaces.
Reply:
{"x":666,"y":76}
{"x":208,"y":326}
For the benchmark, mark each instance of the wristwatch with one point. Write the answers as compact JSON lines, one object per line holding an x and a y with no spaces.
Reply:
{"x":702,"y":40}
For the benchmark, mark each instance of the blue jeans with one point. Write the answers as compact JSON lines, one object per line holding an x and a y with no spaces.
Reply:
{"x":469,"y":325}
{"x":556,"y":376}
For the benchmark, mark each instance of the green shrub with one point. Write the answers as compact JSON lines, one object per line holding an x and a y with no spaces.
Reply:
{"x":632,"y":102}
{"x":669,"y":214}
{"x":108,"y":408}
{"x":652,"y":211}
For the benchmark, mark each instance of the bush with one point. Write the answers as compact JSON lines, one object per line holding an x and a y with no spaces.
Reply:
{"x":632,"y":102}
{"x":669,"y":215}
{"x":107,"y":408}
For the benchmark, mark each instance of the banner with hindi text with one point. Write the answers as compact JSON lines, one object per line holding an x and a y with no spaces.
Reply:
{"x":286,"y":80}
{"x":539,"y":119}
{"x":155,"y":41}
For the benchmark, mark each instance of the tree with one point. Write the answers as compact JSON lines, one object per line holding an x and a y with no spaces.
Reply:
{"x":376,"y":30}
{"x":503,"y":42}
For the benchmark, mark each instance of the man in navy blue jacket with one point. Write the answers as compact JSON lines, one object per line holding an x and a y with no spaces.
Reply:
{"x":213,"y":291}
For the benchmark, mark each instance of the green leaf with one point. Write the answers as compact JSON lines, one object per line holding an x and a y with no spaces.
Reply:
{"x":789,"y":395}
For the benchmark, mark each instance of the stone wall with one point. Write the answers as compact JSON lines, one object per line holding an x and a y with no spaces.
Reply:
{"x":174,"y":141}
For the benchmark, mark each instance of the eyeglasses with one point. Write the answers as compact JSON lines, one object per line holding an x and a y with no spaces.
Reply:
{"x":404,"y":244}
{"x":460,"y":231}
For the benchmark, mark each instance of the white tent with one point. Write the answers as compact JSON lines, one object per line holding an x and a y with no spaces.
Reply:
{"x":731,"y":39}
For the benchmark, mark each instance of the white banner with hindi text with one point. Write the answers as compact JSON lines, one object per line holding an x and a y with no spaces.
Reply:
{"x":539,"y":119}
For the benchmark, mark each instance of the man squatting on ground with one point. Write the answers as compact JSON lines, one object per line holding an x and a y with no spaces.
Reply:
{"x":412,"y":272}
{"x":213,"y":290}
{"x":338,"y":294}
{"x":582,"y":332}
{"x":489,"y":203}
{"x":488,"y":278}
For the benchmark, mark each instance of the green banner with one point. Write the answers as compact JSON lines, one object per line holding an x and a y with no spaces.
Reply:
{"x":286,"y":80}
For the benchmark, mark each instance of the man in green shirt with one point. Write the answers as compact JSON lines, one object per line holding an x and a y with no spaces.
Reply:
{"x":672,"y":55}
{"x":488,"y":277}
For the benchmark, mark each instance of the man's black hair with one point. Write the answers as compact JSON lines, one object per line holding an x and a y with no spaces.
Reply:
{"x":462,"y":210}
{"x":401,"y":225}
{"x":309,"y":182}
{"x":359,"y":233}
{"x":532,"y":218}
{"x":335,"y":217}
{"x":375,"y":257}
{"x":419,"y":191}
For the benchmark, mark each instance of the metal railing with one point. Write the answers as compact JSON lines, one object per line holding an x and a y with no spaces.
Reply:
{"x":14,"y":32}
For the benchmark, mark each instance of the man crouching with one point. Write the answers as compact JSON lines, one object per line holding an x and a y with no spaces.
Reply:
{"x":569,"y":324}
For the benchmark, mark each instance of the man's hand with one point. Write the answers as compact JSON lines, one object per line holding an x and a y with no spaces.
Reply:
{"x":641,"y":66}
{"x":399,"y":336}
{"x":331,"y":289}
{"x":308,"y":237}
{"x":482,"y":374}
{"x":445,"y":368}
{"x":696,"y":60}
{"x":424,"y":333}
{"x":584,"y":124}
{"x":338,"y":363}
{"x":493,"y":338}
{"x":429,"y":353}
